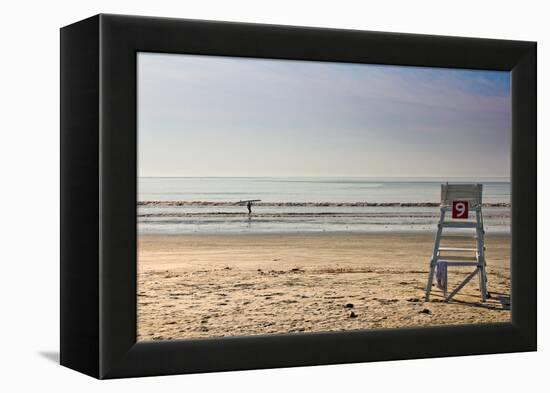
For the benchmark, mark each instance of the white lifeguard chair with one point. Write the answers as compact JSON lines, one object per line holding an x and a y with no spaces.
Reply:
{"x":463,"y":201}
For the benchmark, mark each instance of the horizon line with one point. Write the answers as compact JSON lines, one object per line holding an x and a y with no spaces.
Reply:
{"x":325,"y":177}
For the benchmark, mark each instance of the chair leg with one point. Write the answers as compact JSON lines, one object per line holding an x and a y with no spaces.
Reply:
{"x":435,"y":253}
{"x":480,"y":281}
{"x":446,"y":285}
{"x":481,"y":255}
{"x":430,"y":280}
{"x":483,"y":286}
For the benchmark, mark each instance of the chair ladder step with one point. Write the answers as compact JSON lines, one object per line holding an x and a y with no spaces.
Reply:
{"x":459,"y":263}
{"x":459,"y":224}
{"x":460,"y":249}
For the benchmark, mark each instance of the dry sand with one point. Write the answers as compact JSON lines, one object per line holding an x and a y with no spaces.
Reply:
{"x":193,"y":286}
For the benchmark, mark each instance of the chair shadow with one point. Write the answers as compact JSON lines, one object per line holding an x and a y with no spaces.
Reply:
{"x":52,"y":356}
{"x":502,"y":299}
{"x":503,"y":306}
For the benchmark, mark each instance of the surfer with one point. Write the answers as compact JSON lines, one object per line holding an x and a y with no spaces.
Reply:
{"x":248,"y":204}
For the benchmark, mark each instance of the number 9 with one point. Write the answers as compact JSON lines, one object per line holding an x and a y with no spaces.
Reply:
{"x":460,"y":208}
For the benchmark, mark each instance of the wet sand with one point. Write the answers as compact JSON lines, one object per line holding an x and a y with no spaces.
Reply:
{"x":198,"y":286}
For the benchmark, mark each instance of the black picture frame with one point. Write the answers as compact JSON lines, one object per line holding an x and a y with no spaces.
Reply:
{"x":98,"y":196}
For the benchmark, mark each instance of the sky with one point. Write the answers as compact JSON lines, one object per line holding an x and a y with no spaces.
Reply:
{"x":226,"y":116}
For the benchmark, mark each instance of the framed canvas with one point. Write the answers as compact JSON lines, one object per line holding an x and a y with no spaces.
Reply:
{"x":241,"y":196}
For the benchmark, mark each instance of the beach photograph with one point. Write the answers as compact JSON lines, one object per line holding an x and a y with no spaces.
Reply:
{"x":291,"y":197}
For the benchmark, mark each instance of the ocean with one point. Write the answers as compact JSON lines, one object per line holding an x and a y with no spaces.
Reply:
{"x":210,"y":205}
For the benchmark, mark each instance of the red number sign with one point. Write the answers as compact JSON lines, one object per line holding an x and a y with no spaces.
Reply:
{"x":460,"y":209}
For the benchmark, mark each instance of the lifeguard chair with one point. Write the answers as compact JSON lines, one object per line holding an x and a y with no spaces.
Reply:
{"x":463,"y":201}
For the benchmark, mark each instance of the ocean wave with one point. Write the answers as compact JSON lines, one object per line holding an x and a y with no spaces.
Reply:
{"x":287,"y":214}
{"x":303,"y":204}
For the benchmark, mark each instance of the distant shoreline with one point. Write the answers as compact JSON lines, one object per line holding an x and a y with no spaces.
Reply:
{"x":211,"y":217}
{"x":422,"y":179}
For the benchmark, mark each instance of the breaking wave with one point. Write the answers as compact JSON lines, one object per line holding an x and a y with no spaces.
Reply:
{"x":302,"y":204}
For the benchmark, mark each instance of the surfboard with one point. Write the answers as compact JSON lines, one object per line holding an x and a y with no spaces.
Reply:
{"x":248,"y":200}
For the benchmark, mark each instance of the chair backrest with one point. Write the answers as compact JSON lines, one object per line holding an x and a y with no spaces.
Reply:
{"x":461,"y":192}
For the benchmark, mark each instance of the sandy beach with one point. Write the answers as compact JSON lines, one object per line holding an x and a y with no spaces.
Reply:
{"x":198,"y":286}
